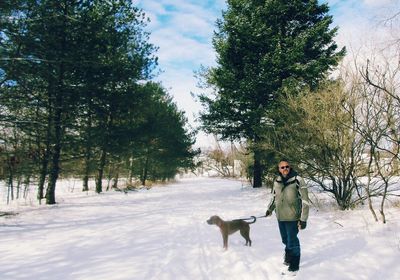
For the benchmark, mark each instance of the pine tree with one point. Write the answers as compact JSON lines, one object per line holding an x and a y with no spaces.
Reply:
{"x":164,"y":143}
{"x":71,"y":65}
{"x":262,"y":47}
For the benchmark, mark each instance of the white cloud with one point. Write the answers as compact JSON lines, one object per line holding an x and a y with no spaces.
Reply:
{"x":180,"y":83}
{"x":379,"y":3}
{"x":190,"y":23}
{"x":362,"y":22}
{"x":182,"y":29}
{"x":176,"y":48}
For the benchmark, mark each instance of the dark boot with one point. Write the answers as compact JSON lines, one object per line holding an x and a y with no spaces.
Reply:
{"x":286,"y":259}
{"x":294,"y":263}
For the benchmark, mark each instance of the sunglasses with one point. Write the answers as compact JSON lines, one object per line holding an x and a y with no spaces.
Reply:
{"x":284,"y":167}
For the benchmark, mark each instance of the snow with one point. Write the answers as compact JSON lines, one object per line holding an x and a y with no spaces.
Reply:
{"x":162,"y":234}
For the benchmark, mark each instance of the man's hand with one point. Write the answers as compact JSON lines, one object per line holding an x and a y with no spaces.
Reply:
{"x":302,"y":225}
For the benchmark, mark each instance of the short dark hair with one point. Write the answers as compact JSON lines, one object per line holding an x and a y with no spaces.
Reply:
{"x":283,"y":159}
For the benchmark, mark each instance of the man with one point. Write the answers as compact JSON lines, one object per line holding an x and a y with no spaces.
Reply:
{"x":291,"y":204}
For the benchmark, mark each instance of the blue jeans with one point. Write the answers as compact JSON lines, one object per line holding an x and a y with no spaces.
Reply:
{"x":289,"y":231}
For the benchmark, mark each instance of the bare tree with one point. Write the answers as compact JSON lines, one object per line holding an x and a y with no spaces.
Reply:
{"x":380,"y":125}
{"x":319,"y":136}
{"x":225,"y":159}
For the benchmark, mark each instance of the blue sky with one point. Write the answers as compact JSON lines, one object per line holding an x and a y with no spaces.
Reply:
{"x":183,"y":29}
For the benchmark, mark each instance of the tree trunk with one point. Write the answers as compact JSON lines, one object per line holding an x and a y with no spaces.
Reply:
{"x":88,"y":145}
{"x":26,"y":184}
{"x":42,"y":176}
{"x":85,"y":179}
{"x":10,"y":188}
{"x":145,"y":171}
{"x":55,"y":159}
{"x":130,"y":178}
{"x":384,"y":196}
{"x":100,"y":171}
{"x":56,"y":127}
{"x":368,"y":186}
{"x":53,"y":176}
{"x":18,"y":186}
{"x":88,"y":155}
{"x":45,"y":159}
{"x":257,"y":172}
{"x":115,"y":181}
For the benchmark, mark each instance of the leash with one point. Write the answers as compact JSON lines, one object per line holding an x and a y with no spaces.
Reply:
{"x":263,"y":216}
{"x":254,"y":218}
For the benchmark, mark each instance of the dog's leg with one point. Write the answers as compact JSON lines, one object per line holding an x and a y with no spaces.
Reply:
{"x":225,"y":239}
{"x":246,"y":235}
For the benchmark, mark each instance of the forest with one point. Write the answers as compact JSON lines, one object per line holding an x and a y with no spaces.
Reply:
{"x":77,"y":98}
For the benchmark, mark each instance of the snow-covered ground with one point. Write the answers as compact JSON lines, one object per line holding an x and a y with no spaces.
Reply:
{"x":162,"y":233}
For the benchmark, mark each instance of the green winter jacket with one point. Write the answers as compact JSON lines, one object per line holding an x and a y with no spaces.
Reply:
{"x":290,"y":201}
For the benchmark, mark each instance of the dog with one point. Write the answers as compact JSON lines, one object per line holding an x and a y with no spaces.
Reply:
{"x":230,"y":227}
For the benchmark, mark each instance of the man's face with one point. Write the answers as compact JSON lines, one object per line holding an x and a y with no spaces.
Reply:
{"x":284,"y":168}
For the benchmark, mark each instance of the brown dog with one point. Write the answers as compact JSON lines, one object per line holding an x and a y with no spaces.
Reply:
{"x":229,"y":227}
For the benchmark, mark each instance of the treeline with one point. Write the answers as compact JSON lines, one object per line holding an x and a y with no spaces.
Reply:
{"x":76,"y":97}
{"x":272,"y":90}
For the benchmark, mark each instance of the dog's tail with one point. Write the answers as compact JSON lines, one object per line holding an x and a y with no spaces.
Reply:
{"x":254,"y":220}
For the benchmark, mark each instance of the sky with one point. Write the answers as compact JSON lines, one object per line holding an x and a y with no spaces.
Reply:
{"x":183,"y":30}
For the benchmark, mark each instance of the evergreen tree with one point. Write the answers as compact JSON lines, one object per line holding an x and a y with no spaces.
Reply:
{"x":71,"y":64}
{"x":263,"y":47}
{"x":38,"y":50}
{"x":120,"y":56}
{"x":164,"y":143}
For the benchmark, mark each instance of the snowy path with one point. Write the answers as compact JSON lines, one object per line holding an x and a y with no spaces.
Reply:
{"x":162,"y":234}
